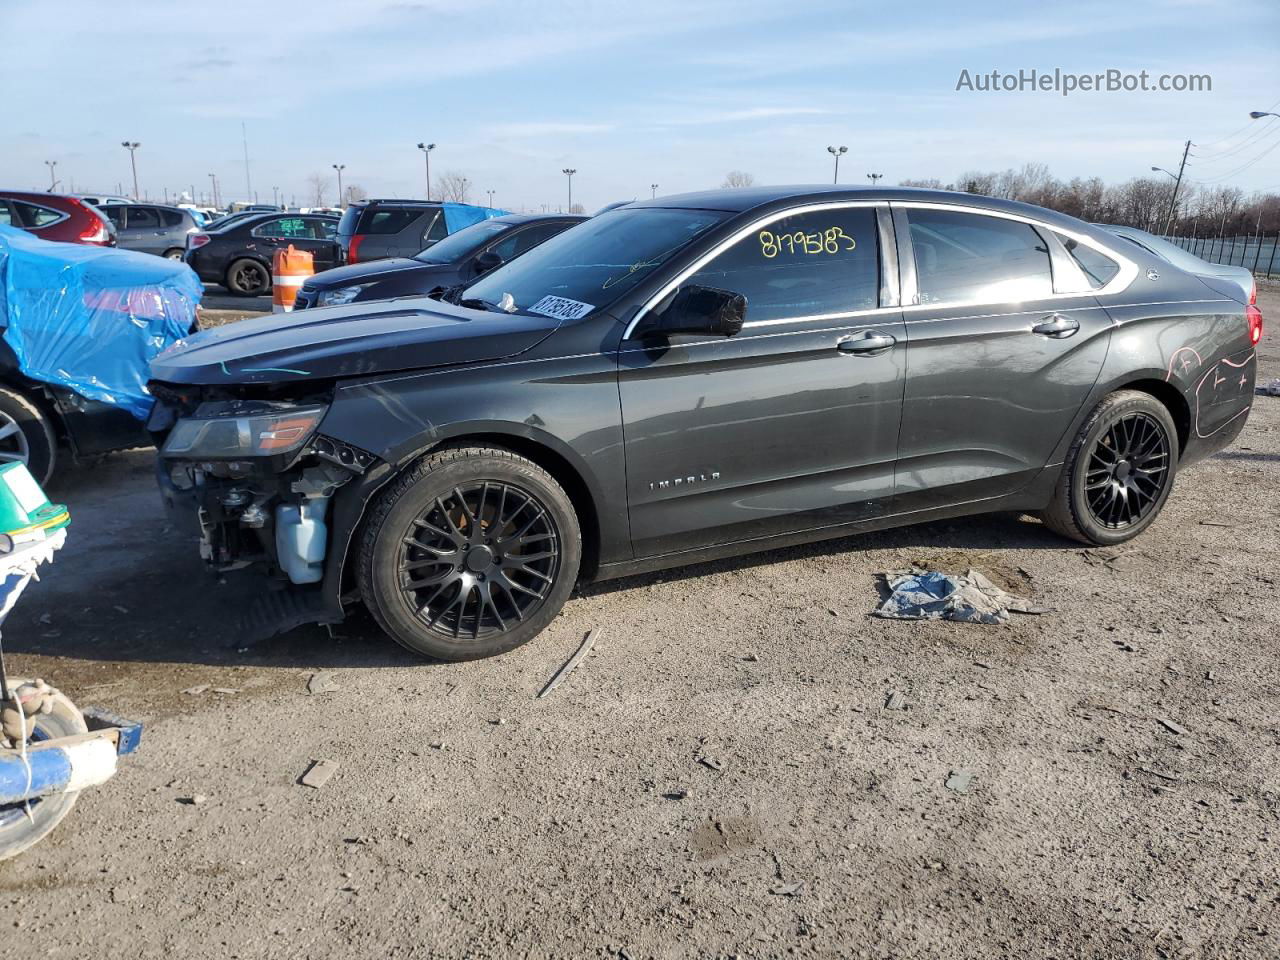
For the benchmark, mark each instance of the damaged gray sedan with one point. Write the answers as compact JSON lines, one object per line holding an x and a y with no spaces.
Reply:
{"x":696,"y":377}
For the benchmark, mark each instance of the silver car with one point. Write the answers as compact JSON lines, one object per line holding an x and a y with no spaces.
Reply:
{"x":152,"y":227}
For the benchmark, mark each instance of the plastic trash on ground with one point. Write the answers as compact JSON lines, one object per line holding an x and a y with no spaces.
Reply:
{"x":459,"y":215}
{"x":929,"y":595}
{"x":91,"y":318}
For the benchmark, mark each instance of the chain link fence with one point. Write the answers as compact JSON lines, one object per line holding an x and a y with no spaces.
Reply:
{"x":1254,"y":252}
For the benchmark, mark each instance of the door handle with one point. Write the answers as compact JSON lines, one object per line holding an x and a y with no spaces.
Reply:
{"x":867,"y":343}
{"x":1056,"y":326}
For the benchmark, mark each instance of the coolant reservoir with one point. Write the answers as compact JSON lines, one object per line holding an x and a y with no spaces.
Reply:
{"x":300,"y":539}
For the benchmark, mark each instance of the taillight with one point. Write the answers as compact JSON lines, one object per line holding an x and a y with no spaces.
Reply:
{"x":1253,"y":294}
{"x":1254,"y":316}
{"x":353,"y":248}
{"x":96,"y":231}
{"x":197,"y":240}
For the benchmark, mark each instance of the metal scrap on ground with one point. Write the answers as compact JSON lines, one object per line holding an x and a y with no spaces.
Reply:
{"x":587,"y":643}
{"x":930,"y":595}
{"x":318,"y":773}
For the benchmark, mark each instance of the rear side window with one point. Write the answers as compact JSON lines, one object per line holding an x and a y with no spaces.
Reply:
{"x":172,"y":218}
{"x":510,"y":247}
{"x":290,"y":228}
{"x":38,"y":216}
{"x":437,"y":231}
{"x":1098,"y":268}
{"x":971,"y":258}
{"x":143,"y":218}
{"x":387,"y":221}
{"x":804,"y":265}
{"x":6,"y":215}
{"x":115,"y":212}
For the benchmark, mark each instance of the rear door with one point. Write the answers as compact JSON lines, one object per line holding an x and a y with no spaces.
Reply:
{"x":313,"y":234}
{"x":143,"y":230}
{"x":1005,"y":340}
{"x":789,"y":425}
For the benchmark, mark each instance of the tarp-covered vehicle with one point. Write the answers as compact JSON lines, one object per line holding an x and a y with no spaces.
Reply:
{"x":78,"y":328}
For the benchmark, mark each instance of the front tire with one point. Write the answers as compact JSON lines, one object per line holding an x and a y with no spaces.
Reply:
{"x":469,"y":554}
{"x":27,"y":435}
{"x":1118,"y":473}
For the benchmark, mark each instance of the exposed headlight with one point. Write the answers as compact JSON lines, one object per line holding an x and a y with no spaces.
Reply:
{"x":217,"y":433}
{"x":332,"y":298}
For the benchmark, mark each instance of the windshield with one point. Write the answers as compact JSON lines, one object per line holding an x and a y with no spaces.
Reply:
{"x":463,"y":243}
{"x":592,"y":264}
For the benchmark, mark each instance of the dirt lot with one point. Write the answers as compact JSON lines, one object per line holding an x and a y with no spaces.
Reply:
{"x":719,"y":777}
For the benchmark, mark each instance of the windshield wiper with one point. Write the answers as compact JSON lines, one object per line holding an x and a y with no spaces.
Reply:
{"x":475,"y":303}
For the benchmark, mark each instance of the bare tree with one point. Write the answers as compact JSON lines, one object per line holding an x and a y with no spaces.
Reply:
{"x":577,"y":208}
{"x":451,"y":187}
{"x":738,"y":178}
{"x":930,"y":183}
{"x":355,"y":192}
{"x":317,"y":187}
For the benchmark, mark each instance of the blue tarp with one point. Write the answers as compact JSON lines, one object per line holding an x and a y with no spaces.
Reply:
{"x":91,"y":318}
{"x":459,"y":215}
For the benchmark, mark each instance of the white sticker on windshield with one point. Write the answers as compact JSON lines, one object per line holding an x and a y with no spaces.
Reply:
{"x":562,"y":308}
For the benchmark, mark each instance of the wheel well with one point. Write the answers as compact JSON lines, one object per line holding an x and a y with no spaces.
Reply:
{"x":565,"y":475}
{"x":1173,"y":401}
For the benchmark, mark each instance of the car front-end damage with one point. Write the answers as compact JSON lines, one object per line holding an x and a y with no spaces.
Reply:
{"x":253,"y":467}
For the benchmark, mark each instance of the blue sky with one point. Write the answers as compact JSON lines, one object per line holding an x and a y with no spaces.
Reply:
{"x":628,"y":93}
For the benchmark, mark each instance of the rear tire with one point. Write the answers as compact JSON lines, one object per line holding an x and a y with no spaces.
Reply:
{"x":468,"y":554}
{"x":1118,"y":473}
{"x":17,"y":833}
{"x":26,"y":434}
{"x":174,"y":254}
{"x":247,"y":278}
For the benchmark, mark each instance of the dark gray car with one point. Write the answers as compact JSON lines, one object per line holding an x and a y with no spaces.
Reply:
{"x":151,"y":227}
{"x":695,"y":377}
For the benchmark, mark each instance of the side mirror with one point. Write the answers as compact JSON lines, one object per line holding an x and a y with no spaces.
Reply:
{"x":487,"y":261}
{"x":703,"y":310}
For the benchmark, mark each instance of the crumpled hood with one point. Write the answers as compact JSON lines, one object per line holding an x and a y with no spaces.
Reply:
{"x":348,"y":341}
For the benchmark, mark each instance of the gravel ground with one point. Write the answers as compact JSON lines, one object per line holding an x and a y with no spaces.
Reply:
{"x":720,"y":775}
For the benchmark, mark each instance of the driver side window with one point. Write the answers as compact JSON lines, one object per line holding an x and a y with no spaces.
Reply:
{"x":805,"y":265}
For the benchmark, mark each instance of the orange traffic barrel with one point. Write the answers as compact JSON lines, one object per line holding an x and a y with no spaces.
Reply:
{"x":290,"y":268}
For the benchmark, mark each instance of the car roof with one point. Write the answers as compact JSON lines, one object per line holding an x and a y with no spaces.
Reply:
{"x":741,"y":199}
{"x":403,"y":203}
{"x":535,"y":218}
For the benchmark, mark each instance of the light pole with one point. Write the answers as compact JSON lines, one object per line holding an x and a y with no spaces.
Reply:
{"x":213,"y":178}
{"x":653,"y":190}
{"x":53,"y":180}
{"x":1177,"y":183}
{"x":569,"y":172}
{"x":275,"y":196}
{"x":835,"y":152}
{"x":873,"y":177}
{"x":1259,"y":114}
{"x":490,"y":193}
{"x":340,"y":167}
{"x":426,"y":149}
{"x":132,"y":146}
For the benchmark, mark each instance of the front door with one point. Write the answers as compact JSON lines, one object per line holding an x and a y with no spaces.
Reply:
{"x":143,"y":231}
{"x":789,"y":425}
{"x":998,"y":362}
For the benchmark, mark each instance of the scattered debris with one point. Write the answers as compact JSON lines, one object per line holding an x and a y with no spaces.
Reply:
{"x":1156,"y":773}
{"x":198,"y":689}
{"x":587,"y":643}
{"x":895,"y":701}
{"x":1270,"y":389}
{"x":1210,"y":676}
{"x":318,"y":773}
{"x":226,"y":690}
{"x":678,"y":794}
{"x":752,"y":658}
{"x":791,"y":889}
{"x":1172,"y":727}
{"x":194,"y":800}
{"x":1216,"y":523}
{"x":121,"y":610}
{"x":321,"y":682}
{"x":958,"y":780}
{"x":931,"y":595}
{"x":711,"y":762}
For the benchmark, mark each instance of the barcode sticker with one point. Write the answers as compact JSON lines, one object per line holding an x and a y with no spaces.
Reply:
{"x":562,"y":308}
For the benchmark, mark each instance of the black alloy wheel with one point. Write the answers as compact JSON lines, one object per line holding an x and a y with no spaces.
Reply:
{"x":481,"y":559}
{"x":1127,"y":472}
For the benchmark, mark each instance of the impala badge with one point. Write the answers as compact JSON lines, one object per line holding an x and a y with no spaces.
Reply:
{"x":688,"y":481}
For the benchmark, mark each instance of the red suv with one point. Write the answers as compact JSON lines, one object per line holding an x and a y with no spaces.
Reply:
{"x":54,"y":217}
